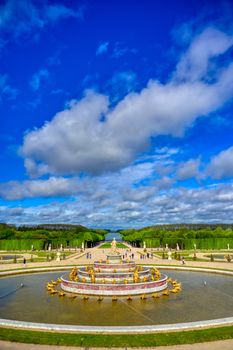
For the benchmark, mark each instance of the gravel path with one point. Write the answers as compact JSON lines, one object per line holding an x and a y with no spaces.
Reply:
{"x":217,"y":345}
{"x":98,"y":253}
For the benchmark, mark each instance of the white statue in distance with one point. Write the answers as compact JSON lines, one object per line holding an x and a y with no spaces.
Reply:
{"x":114,"y":245}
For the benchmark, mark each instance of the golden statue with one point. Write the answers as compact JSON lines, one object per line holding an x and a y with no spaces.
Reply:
{"x":92,"y":274}
{"x":73,"y":274}
{"x":135,"y":276}
{"x":113,"y":245}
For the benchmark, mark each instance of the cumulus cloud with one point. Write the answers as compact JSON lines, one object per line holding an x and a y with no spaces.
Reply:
{"x":127,"y":196}
{"x":221,"y":165}
{"x":92,"y":137}
{"x":52,"y":187}
{"x":164,"y":183}
{"x":97,"y":190}
{"x":189,"y":169}
{"x":172,"y":206}
{"x":194,"y":64}
{"x":75,"y":140}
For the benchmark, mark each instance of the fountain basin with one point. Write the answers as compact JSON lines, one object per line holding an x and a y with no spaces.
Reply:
{"x":113,"y":289}
{"x":198,"y":306}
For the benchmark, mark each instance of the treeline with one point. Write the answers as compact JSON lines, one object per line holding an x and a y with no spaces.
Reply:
{"x":53,"y":227}
{"x":41,"y":236}
{"x":178,"y":226}
{"x":207,"y":237}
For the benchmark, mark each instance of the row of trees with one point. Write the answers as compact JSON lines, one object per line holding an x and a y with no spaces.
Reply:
{"x":216,"y":237}
{"x":40,"y":237}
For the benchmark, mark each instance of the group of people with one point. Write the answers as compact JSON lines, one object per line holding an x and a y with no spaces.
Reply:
{"x":147,"y":255}
{"x":88,"y":255}
{"x":125,"y":256}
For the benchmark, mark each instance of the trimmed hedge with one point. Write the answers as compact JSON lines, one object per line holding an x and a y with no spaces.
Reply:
{"x":21,"y":244}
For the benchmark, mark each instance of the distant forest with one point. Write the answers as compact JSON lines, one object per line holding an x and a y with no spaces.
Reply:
{"x":41,"y":236}
{"x":187,"y":236}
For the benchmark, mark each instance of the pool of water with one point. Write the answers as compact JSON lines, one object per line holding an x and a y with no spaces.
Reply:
{"x":9,"y":257}
{"x":204,"y":296}
{"x":220,"y":256}
{"x":111,"y":235}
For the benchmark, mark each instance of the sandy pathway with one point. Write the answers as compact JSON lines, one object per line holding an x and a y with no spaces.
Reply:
{"x":217,"y":345}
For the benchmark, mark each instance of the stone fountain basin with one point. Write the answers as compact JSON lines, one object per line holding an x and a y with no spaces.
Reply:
{"x":110,"y":289}
{"x":145,"y":272}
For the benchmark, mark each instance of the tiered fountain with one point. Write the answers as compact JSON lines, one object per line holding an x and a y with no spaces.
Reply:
{"x":115,"y":277}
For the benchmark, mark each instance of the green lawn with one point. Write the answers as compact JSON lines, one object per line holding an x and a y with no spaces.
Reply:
{"x":37,"y":256}
{"x":119,"y":340}
{"x":188,"y":256}
{"x":108,"y":245}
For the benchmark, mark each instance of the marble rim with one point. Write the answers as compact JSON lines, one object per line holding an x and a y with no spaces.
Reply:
{"x":119,"y":329}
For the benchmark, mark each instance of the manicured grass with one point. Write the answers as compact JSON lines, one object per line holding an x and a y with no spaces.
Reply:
{"x":37,"y":256}
{"x":186,"y":255}
{"x":108,"y":245}
{"x":119,"y":340}
{"x":47,"y":253}
{"x":39,"y":253}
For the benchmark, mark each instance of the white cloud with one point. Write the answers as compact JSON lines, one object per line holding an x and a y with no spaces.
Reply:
{"x":189,"y":169}
{"x":52,"y":187}
{"x":164,"y":183}
{"x":195,"y":62}
{"x":102,"y":48}
{"x":126,"y":196}
{"x":38,"y":78}
{"x":171,"y":206}
{"x":93,"y":189}
{"x":91,"y":137}
{"x":221,"y":165}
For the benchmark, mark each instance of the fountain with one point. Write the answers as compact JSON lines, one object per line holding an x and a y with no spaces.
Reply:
{"x":115,"y":277}
{"x":56,"y":308}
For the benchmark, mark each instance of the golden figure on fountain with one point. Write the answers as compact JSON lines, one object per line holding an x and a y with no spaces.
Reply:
{"x":135,"y":276}
{"x":92,"y":274}
{"x":113,"y":246}
{"x":73,"y":274}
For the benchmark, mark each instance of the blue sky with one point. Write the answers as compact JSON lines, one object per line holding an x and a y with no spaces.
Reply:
{"x":116,"y":114}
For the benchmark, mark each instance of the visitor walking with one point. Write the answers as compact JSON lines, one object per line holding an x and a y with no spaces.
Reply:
{"x":24,"y":262}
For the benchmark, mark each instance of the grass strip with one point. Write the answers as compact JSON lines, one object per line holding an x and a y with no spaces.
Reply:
{"x":108,"y":245}
{"x":116,"y":340}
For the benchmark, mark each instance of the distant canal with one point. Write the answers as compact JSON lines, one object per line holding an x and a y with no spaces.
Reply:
{"x":111,"y":235}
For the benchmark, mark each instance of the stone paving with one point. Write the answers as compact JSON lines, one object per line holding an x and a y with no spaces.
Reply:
{"x":98,"y":253}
